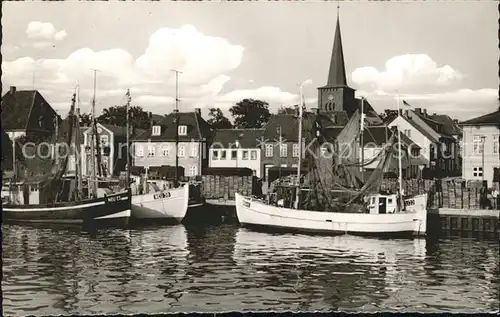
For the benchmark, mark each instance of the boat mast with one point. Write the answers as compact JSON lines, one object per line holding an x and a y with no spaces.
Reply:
{"x":301,"y":107}
{"x":78,"y":162}
{"x":93,"y":190}
{"x":127,"y":182}
{"x":176,"y":118}
{"x":400,"y":168}
{"x":362,"y":139}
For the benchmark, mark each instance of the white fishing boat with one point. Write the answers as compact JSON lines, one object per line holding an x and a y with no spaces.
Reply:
{"x":382,"y":218}
{"x":167,"y":204}
{"x":381,"y":214}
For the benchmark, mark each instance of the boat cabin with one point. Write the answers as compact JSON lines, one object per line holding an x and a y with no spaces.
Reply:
{"x":21,"y":193}
{"x":383,"y":204}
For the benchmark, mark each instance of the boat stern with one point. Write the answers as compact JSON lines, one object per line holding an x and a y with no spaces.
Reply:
{"x":418,"y":204}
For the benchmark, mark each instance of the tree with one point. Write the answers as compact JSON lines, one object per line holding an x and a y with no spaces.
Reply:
{"x":218,"y":120}
{"x":85,"y":119}
{"x":289,"y":110}
{"x":250,"y":113}
{"x":117,"y":115}
{"x":388,"y":115}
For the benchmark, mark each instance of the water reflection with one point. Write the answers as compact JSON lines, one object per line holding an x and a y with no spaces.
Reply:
{"x":61,"y":270}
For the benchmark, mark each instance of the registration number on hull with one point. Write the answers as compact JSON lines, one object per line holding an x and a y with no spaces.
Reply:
{"x":162,"y":195}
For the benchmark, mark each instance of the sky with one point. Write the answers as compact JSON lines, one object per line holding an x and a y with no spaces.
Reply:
{"x":441,"y":56}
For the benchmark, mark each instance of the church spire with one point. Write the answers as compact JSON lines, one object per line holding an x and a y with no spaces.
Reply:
{"x":336,"y":76}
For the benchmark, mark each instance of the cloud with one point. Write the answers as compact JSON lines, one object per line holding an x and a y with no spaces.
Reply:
{"x":461,"y":104}
{"x":205,"y":62}
{"x":43,"y":34}
{"x":409,"y":72}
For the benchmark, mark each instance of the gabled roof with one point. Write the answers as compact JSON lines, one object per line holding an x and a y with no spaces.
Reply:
{"x":438,"y":127}
{"x":420,"y":129}
{"x":247,"y":138}
{"x":449,"y":125}
{"x":290,"y":125}
{"x":371,"y":115}
{"x":197,"y":128}
{"x":27,"y":110}
{"x":16,"y":108}
{"x":492,"y":118}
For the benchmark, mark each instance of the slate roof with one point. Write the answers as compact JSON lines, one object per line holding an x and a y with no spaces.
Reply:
{"x":492,"y":118}
{"x":197,"y":128}
{"x":247,"y":138}
{"x":371,"y":115}
{"x":17,"y":111}
{"x":290,"y":125}
{"x":449,"y":125}
{"x":420,"y":129}
{"x":435,"y":125}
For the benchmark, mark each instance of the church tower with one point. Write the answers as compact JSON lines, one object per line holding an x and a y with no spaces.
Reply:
{"x":336,"y":96}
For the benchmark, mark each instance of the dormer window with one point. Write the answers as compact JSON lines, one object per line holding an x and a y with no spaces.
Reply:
{"x":156,"y":130}
{"x":182,"y":130}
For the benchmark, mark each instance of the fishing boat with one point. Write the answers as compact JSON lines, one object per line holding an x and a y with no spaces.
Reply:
{"x":59,"y":199}
{"x":168,"y":204}
{"x":367,"y":210}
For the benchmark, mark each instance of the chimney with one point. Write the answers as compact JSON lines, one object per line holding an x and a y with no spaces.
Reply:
{"x":434,"y":114}
{"x":418,"y":110}
{"x":425,"y":112}
{"x":197,"y":111}
{"x":314,"y":110}
{"x":12,"y":90}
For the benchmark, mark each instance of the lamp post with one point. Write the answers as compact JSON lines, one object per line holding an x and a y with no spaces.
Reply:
{"x":483,"y":138}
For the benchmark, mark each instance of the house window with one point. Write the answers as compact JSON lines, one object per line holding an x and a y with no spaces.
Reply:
{"x":269,"y":150}
{"x":477,"y":172}
{"x":182,"y":130}
{"x":104,"y":140}
{"x":477,"y":145}
{"x":215,"y":155}
{"x":223,"y":154}
{"x":283,"y":150}
{"x":139,"y":151}
{"x":295,"y":150}
{"x":284,"y":165}
{"x":156,"y":130}
{"x":165,"y":152}
{"x":245,"y":155}
{"x":193,"y":170}
{"x":194,"y":150}
{"x":182,"y":150}
{"x":496,"y":143}
{"x":253,"y":155}
{"x":408,"y":133}
{"x":234,"y":155}
{"x":295,"y":165}
{"x":151,"y":150}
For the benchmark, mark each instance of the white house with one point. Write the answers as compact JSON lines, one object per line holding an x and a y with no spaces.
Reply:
{"x":417,"y":134}
{"x":480,"y":148}
{"x":236,"y":148}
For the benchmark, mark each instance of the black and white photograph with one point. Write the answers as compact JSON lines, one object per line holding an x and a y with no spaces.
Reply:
{"x":250,"y":156}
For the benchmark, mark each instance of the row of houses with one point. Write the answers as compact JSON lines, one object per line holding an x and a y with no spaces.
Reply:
{"x":439,"y":145}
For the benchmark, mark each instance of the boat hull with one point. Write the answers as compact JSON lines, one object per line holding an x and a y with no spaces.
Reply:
{"x":115,"y":208}
{"x":170,"y":205}
{"x":256,"y":214}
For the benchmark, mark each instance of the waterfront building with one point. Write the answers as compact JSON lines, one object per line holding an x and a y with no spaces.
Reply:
{"x":480,"y":148}
{"x":237,"y":148}
{"x":439,"y":147}
{"x":27,"y":113}
{"x":156,"y":146}
{"x":279,"y":143}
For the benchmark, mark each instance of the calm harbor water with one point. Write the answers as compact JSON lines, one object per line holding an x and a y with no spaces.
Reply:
{"x":225,"y":268}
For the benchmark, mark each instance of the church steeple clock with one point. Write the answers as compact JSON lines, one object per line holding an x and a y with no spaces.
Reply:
{"x":336,"y":95}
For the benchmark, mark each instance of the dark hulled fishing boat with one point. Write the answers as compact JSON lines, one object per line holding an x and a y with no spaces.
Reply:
{"x":56,"y":199}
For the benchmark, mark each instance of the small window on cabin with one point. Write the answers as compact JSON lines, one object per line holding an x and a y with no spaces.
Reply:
{"x":389,"y":200}
{"x":223,"y":154}
{"x":215,"y":155}
{"x":182,"y":130}
{"x":234,"y":155}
